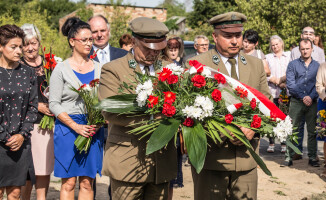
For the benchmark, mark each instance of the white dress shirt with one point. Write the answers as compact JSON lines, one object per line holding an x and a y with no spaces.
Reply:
{"x":151,"y":69}
{"x":101,"y":52}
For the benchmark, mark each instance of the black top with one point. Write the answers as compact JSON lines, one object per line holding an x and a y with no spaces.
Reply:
{"x":41,"y":85}
{"x":18,"y":101}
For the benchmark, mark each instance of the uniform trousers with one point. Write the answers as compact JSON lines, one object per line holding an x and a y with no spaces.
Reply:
{"x":230,"y":185}
{"x":138,"y":191}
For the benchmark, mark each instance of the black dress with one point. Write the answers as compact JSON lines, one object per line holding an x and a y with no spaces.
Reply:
{"x":18,"y":112}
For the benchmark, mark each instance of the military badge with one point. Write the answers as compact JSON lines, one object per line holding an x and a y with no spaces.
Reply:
{"x":132,"y":63}
{"x":243,"y":60}
{"x":216,"y":59}
{"x":158,"y":65}
{"x":233,"y":17}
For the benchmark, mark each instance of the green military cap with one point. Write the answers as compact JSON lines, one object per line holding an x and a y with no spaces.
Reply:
{"x":229,"y":22}
{"x":151,"y":32}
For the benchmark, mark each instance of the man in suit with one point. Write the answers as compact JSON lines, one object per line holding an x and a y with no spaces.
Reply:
{"x":201,"y":44}
{"x":230,"y":172}
{"x":133,"y":174}
{"x":101,"y":33}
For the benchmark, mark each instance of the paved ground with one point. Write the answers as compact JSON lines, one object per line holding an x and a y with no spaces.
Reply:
{"x":286,"y":183}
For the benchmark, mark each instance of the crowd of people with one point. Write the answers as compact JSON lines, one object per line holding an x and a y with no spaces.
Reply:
{"x":30,"y":154}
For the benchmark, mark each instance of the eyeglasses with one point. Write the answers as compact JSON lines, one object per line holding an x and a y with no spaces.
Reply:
{"x":84,"y":40}
{"x":202,"y":45}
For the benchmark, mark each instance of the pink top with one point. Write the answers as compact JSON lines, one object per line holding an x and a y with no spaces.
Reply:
{"x":278,"y":68}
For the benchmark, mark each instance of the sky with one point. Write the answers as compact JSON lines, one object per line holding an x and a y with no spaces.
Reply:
{"x":145,"y":3}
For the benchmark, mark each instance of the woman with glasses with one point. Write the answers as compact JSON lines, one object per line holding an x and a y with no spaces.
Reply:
{"x":68,"y":107}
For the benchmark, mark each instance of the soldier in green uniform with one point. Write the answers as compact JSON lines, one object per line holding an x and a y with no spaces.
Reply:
{"x":229,"y":171}
{"x":134,"y":175}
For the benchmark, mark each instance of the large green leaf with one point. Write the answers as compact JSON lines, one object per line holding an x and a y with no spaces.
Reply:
{"x":120,"y":104}
{"x":162,"y":134}
{"x":196,"y":143}
{"x":260,"y":162}
{"x":293,"y":147}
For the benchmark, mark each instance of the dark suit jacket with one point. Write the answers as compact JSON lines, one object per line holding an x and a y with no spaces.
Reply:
{"x":115,"y":53}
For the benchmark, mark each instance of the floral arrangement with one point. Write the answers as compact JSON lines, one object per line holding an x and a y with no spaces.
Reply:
{"x":321,"y":123}
{"x":47,"y":122}
{"x":205,"y":103}
{"x":284,"y":101}
{"x":88,"y":92}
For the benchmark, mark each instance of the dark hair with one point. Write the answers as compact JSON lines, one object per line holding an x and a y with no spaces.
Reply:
{"x":251,"y":36}
{"x":8,"y":32}
{"x":173,"y":43}
{"x":125,"y":39}
{"x":305,"y":40}
{"x":71,"y":27}
{"x":320,"y":42}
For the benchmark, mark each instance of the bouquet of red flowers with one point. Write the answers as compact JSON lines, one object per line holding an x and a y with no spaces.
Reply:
{"x":88,"y":92}
{"x":47,"y":122}
{"x":206,"y":104}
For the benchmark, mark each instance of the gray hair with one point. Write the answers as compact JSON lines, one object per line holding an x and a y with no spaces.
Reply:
{"x":200,"y":37}
{"x":102,"y":17}
{"x":31,"y":31}
{"x":274,"y":37}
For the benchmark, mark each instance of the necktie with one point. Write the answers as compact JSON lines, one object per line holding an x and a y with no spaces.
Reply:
{"x":103,"y":57}
{"x":234,"y":75}
{"x":147,"y":71}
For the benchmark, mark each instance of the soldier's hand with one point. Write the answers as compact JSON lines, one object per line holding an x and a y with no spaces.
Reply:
{"x":235,"y":140}
{"x":247,"y":132}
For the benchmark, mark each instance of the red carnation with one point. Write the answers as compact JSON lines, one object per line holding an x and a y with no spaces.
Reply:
{"x":216,"y":95}
{"x":199,"y":81}
{"x":153,"y":100}
{"x":199,"y":67}
{"x":172,"y":79}
{"x":220,"y":78}
{"x":228,"y":118}
{"x":169,"y":97}
{"x":82,"y":86}
{"x":94,"y":82}
{"x":189,"y":122}
{"x":256,"y":122}
{"x":253,"y":103}
{"x":241,"y":92}
{"x":168,"y":110}
{"x":164,"y":74}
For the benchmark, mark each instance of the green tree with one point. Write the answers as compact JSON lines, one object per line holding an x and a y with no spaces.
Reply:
{"x":283,"y":17}
{"x":171,"y":24}
{"x":119,"y":23}
{"x":84,"y":13}
{"x":203,"y":10}
{"x":30,"y":13}
{"x":59,"y":8}
{"x":174,"y":8}
{"x":202,"y":29}
{"x":13,"y":7}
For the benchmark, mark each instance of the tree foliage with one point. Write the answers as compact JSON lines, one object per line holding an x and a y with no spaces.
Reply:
{"x":119,"y":23}
{"x":284,"y":18}
{"x":203,"y":10}
{"x":174,"y":8}
{"x":30,"y":13}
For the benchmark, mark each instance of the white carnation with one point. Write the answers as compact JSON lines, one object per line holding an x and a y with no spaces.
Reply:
{"x":199,"y":101}
{"x":176,"y":70}
{"x":87,"y":87}
{"x":141,"y":98}
{"x":196,"y":113}
{"x":143,"y":91}
{"x":283,"y":129}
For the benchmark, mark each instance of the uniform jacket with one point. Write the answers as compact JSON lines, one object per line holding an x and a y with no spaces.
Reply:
{"x":115,"y":53}
{"x":321,"y":81}
{"x":125,"y":158}
{"x":225,"y":156}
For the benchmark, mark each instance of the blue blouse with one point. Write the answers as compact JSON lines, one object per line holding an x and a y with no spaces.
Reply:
{"x":85,"y":78}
